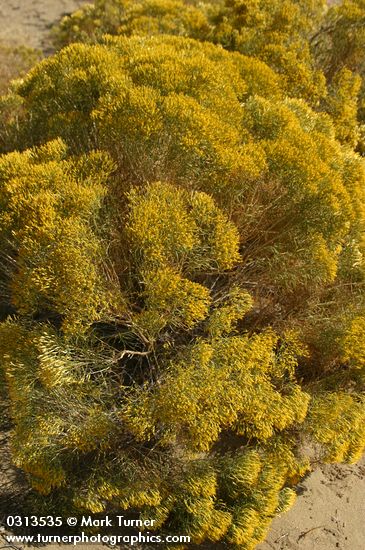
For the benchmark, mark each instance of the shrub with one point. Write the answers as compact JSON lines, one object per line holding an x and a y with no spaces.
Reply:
{"x":52,"y":253}
{"x":182,"y":293}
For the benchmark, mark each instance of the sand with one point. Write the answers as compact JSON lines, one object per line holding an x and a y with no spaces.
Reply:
{"x":28,"y":21}
{"x":330,"y":510}
{"x":329,"y":513}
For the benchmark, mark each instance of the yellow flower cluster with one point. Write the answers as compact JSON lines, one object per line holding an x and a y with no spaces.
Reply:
{"x":49,"y":208}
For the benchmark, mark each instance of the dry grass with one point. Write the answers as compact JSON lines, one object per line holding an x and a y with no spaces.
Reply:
{"x":15,"y":62}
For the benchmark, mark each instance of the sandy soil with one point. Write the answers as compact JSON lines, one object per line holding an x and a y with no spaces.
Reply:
{"x":29,"y":21}
{"x":328,"y":515}
{"x":330,"y":510}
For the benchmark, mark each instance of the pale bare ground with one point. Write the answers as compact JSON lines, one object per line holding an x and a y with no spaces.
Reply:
{"x":329,"y":514}
{"x":330,"y":511}
{"x":28,"y":22}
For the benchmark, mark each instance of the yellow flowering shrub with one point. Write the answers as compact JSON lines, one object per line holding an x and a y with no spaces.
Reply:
{"x":342,"y":106}
{"x":170,"y":226}
{"x":171,"y":300}
{"x":49,"y":208}
{"x":338,"y":46}
{"x":173,"y":235}
{"x":182,"y":262}
{"x":161,"y":122}
{"x":336,"y":421}
{"x":223,"y":384}
{"x":224,"y":318}
{"x":274,"y":31}
{"x":354,"y":343}
{"x":91,"y":21}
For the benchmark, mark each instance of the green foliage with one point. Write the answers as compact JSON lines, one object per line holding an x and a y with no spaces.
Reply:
{"x":42,"y":379}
